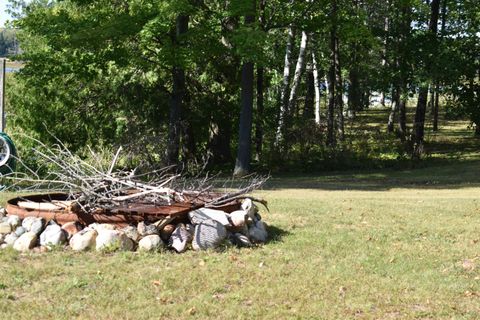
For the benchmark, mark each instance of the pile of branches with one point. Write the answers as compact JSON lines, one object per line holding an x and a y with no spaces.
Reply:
{"x":97,"y":186}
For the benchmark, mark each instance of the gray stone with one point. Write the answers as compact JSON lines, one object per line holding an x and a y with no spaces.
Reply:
{"x":180,"y":238}
{"x":151,"y":242}
{"x":208,"y":235}
{"x":238,"y":218}
{"x":257,"y":232}
{"x":37,"y":226}
{"x":111,"y":240}
{"x":27,"y":222}
{"x":26,"y":241}
{"x":146,"y":229}
{"x":20,"y":230}
{"x":250,"y":208}
{"x":53,"y":235}
{"x":5,"y":228}
{"x":83,"y":240}
{"x":14,"y":221}
{"x":10,"y":239}
{"x":104,"y":226}
{"x":132,"y":233}
{"x":200,"y":215}
{"x":240,"y":240}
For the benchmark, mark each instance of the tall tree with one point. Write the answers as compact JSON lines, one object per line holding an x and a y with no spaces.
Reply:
{"x":419,"y":122}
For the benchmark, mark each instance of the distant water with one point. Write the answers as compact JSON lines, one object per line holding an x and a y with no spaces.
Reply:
{"x":8,"y":69}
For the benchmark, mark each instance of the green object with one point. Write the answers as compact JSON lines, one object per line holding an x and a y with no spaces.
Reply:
{"x":8,"y":154}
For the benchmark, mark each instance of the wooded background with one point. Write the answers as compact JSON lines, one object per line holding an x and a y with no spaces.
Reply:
{"x":273,"y":84}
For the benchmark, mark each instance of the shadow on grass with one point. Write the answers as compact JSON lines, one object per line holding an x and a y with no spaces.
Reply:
{"x":276,"y":234}
{"x":438,"y":174}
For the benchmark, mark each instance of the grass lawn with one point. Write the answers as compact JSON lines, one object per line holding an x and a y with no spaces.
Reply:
{"x":385,"y":244}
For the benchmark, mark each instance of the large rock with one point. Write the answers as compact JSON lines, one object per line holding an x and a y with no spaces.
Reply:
{"x":238,"y":218}
{"x":167,"y":231}
{"x":200,"y":215}
{"x":10,"y":239}
{"x":53,"y":235}
{"x":33,"y":224}
{"x":146,"y":229}
{"x":132,"y":233}
{"x":83,"y":240}
{"x":208,"y":235}
{"x":20,"y":230}
{"x":111,"y":240}
{"x":5,"y":228}
{"x":14,"y":221}
{"x":152,"y":242}
{"x":180,"y":238}
{"x":26,"y":241}
{"x":72,"y":228}
{"x":257,"y":232}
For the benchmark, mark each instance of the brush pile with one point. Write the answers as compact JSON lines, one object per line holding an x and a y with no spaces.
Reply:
{"x":105,"y":208}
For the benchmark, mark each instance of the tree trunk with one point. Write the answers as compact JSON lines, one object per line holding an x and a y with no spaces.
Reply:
{"x":177,"y":99}
{"x":331,"y":136}
{"x":259,"y":118}
{"x":242,"y":164}
{"x":402,"y":116}
{"x":308,"y":110}
{"x":317,"y":85}
{"x":339,"y":92}
{"x":285,"y":89}
{"x":292,"y":101}
{"x":419,"y":124}
{"x":437,"y":86}
{"x":393,"y":110}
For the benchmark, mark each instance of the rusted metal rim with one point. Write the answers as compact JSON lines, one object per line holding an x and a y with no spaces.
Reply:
{"x":121,"y":216}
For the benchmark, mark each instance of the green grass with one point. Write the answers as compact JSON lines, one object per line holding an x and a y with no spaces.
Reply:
{"x":377,"y":244}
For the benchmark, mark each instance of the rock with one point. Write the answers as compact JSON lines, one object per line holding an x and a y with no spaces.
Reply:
{"x":146,"y":229}
{"x":238,"y":218}
{"x":200,"y":215}
{"x":151,"y":242}
{"x":37,"y":226}
{"x":26,"y":241}
{"x":33,"y":224}
{"x":250,"y":208}
{"x":41,"y":249}
{"x":208,"y":234}
{"x":103,"y":226}
{"x":240,"y":240}
{"x":14,"y":221}
{"x":83,"y":240}
{"x":2,"y":237}
{"x":71,"y":228}
{"x":180,"y":238}
{"x":3,"y":212}
{"x":10,"y":239}
{"x":132,"y":233}
{"x":20,"y":230}
{"x":167,"y":231}
{"x":53,"y":235}
{"x":111,"y":240}
{"x":5,"y":228}
{"x":27,"y":222}
{"x":4,"y":245}
{"x":257,"y":232}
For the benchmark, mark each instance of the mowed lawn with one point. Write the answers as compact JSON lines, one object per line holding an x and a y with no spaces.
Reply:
{"x":378,"y":245}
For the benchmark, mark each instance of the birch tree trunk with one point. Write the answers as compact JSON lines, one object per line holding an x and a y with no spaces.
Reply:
{"x":285,"y":89}
{"x":292,"y":101}
{"x":316,"y":83}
